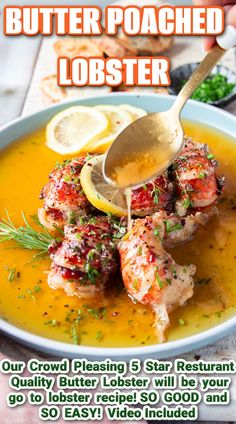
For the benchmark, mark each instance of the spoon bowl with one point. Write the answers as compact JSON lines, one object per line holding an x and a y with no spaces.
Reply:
{"x":148,"y":144}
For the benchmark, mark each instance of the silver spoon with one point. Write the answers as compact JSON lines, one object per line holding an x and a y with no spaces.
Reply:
{"x":149,"y":145}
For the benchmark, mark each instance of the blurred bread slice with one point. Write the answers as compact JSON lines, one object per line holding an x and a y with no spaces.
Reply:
{"x":52,"y":93}
{"x":146,"y":45}
{"x":111,"y":46}
{"x":72,"y":47}
{"x":95,"y":46}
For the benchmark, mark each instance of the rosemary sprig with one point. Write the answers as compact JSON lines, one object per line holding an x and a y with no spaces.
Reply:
{"x":26,"y":236}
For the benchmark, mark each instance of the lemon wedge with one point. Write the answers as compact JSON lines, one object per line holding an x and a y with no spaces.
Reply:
{"x":135,"y":112}
{"x":73,"y":129}
{"x":100,"y":194}
{"x":118,"y":120}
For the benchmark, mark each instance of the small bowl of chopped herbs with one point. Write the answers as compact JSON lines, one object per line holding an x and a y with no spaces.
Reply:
{"x":218,"y":89}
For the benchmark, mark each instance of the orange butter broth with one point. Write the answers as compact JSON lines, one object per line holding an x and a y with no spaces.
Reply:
{"x":24,"y":169}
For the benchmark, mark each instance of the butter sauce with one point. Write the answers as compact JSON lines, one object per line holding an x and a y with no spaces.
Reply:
{"x":52,"y":314}
{"x":139,"y":166}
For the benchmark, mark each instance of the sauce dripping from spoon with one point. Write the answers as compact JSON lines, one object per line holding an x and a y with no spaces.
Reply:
{"x":128,"y":194}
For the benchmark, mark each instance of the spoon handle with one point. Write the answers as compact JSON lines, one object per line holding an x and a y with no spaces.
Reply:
{"x":199,"y":74}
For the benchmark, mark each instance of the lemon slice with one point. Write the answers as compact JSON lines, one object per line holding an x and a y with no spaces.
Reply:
{"x":103,"y":196}
{"x":135,"y":112}
{"x":71,"y":130}
{"x":118,"y":121}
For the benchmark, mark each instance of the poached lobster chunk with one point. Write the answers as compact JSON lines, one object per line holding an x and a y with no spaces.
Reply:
{"x":197,"y":185}
{"x":64,"y":199}
{"x":179,"y":230}
{"x":150,"y":274}
{"x":153,"y":196}
{"x":86,"y":257}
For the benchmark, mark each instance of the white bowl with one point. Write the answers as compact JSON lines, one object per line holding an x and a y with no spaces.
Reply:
{"x":193,"y":111}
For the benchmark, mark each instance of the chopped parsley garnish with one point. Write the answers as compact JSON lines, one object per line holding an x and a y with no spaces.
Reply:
{"x":13,"y":275}
{"x":72,"y":217}
{"x":30,"y":293}
{"x":156,"y":231}
{"x":215,"y":87}
{"x":135,"y":284}
{"x":93,"y":233}
{"x":176,"y":227}
{"x":37,"y":289}
{"x":88,"y":157}
{"x":98,"y":313}
{"x":201,"y":175}
{"x":82,"y":220}
{"x":139,"y":252}
{"x":159,"y":281}
{"x":93,"y":273}
{"x":52,"y":323}
{"x":91,"y":255}
{"x":68,"y":316}
{"x":74,"y":334}
{"x":170,"y":228}
{"x":174,"y":273}
{"x":119,"y":227}
{"x":155,"y":195}
{"x":187,"y":203}
{"x":99,"y":247}
{"x":60,"y":165}
{"x":210,"y":156}
{"x":80,"y":316}
{"x":99,"y":335}
{"x":182,"y":321}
